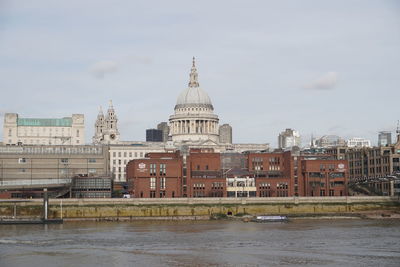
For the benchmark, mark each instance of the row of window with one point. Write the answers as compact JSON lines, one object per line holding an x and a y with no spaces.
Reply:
{"x":63,"y":160}
{"x":128,"y":154}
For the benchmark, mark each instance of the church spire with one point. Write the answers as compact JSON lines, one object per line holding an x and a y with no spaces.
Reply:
{"x":193,"y":82}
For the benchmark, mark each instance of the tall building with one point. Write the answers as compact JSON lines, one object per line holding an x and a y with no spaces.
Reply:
{"x":154,"y":135}
{"x":163,"y":126}
{"x":225,"y":134}
{"x":43,"y":131}
{"x":384,"y":138}
{"x":289,"y":138}
{"x":358,"y":142}
{"x":106,"y":128}
{"x":194,"y":120}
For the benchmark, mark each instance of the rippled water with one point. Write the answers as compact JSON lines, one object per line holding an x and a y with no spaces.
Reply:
{"x":203,"y":243}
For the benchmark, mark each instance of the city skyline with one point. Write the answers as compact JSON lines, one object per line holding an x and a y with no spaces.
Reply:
{"x":266,"y":68}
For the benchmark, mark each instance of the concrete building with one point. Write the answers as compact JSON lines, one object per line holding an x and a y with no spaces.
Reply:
{"x":40,"y":131}
{"x":288,"y":139}
{"x":121,"y":154}
{"x":31,"y":163}
{"x":330,"y":141}
{"x":225,"y":134}
{"x":106,"y":127}
{"x":163,"y":126}
{"x":194,"y":120}
{"x":384,"y":138}
{"x":154,"y":135}
{"x":358,"y":142}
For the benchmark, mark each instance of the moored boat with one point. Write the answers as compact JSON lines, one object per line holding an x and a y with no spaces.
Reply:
{"x":265,"y":218}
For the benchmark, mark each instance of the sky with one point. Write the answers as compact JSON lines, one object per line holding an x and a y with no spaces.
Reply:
{"x":320,"y":67}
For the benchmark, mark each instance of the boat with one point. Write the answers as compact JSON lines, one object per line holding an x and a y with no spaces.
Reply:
{"x":265,"y":218}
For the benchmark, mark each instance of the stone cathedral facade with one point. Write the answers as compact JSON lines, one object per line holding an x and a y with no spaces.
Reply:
{"x":106,"y":128}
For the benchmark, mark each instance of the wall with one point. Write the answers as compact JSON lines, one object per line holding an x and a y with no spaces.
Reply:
{"x":113,"y":208}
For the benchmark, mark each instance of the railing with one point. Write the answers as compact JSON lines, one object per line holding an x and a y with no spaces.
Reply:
{"x":51,"y":181}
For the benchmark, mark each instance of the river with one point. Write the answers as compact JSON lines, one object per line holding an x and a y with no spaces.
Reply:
{"x":350,"y":242}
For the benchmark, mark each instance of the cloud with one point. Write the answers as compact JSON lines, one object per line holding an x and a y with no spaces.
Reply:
{"x":101,"y":68}
{"x":327,"y":81}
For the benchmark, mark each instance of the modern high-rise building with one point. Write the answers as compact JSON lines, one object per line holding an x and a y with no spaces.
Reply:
{"x":384,"y":138}
{"x":163,"y":126}
{"x":225,"y":134}
{"x":154,"y":135}
{"x":289,"y":138}
{"x":43,"y":131}
{"x":106,"y":128}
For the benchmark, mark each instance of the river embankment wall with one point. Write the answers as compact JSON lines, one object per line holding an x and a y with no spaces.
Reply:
{"x":191,"y":207}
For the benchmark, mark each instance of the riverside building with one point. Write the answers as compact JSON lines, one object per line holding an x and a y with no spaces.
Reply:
{"x":205,"y":173}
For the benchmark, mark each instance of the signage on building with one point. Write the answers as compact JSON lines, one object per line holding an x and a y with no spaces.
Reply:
{"x":142,"y":167}
{"x":340,"y":168}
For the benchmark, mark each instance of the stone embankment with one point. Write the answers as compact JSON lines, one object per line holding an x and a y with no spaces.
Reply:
{"x":199,"y":208}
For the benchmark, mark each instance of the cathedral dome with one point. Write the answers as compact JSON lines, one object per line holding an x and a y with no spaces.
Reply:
{"x":193,"y":96}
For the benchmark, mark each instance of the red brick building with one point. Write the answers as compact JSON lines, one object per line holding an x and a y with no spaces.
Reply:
{"x":203,"y":173}
{"x":324,"y":177}
{"x":157,"y":176}
{"x":273,"y":174}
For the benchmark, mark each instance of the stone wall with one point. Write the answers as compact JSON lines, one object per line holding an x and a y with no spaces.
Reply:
{"x":173,"y":207}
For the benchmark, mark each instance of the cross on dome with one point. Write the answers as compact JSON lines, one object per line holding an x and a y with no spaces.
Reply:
{"x":193,"y":82}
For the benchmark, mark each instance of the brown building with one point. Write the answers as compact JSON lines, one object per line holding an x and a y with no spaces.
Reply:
{"x":322,"y":177}
{"x":204,"y":173}
{"x":156,"y":176}
{"x":369,"y":162}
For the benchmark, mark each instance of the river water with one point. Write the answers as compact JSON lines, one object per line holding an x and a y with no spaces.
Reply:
{"x":203,"y":243}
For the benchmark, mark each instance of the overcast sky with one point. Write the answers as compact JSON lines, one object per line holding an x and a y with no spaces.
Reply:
{"x":320,"y":67}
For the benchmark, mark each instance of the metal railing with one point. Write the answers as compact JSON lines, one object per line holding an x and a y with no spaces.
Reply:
{"x":50,"y":181}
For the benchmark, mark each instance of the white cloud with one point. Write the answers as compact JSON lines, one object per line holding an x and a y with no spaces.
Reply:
{"x":327,"y":81}
{"x":101,"y":68}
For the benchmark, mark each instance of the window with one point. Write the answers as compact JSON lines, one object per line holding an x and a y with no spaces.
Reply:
{"x":152,"y":194}
{"x":114,"y":154}
{"x":162,"y":169}
{"x":114,"y":161}
{"x":119,"y":154}
{"x":162,"y":183}
{"x":141,"y":154}
{"x":77,"y":133}
{"x":125,"y":154}
{"x":64,"y":160}
{"x":9,"y":132}
{"x":152,"y":169}
{"x":22,"y":160}
{"x":162,"y":194}
{"x":92,"y":171}
{"x":130,"y":154}
{"x":206,"y":167}
{"x":153,"y":183}
{"x":92,"y":160}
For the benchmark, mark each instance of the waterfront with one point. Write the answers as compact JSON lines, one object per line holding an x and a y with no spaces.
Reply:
{"x":350,"y":242}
